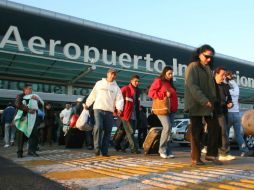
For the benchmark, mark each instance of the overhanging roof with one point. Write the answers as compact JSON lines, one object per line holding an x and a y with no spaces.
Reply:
{"x":59,"y":70}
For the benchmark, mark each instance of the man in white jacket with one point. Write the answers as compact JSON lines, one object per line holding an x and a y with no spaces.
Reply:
{"x":105,"y":97}
{"x":234,"y":118}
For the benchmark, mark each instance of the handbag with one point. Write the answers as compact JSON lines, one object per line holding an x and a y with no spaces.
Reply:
{"x":161,"y":107}
{"x":83,"y":123}
{"x":73,"y":120}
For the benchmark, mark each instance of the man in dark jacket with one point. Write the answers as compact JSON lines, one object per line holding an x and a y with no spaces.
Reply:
{"x":221,"y":105}
{"x":33,"y":138}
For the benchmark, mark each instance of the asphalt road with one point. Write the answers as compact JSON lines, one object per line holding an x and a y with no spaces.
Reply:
{"x":16,"y":177}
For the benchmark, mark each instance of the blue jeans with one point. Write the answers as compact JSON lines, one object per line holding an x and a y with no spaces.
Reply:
{"x":165,"y":135}
{"x":102,"y":130}
{"x":234,"y":120}
{"x":9,"y":133}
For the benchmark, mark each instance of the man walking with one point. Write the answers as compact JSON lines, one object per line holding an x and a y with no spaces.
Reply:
{"x":106,"y":96}
{"x":9,"y":129}
{"x":234,"y":118}
{"x":131,"y":95}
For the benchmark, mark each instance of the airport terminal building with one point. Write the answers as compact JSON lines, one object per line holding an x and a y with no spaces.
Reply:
{"x":63,"y":56}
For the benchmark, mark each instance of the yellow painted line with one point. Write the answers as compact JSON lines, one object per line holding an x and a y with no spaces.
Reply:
{"x":224,"y":186}
{"x":100,"y":171}
{"x":94,"y":158}
{"x":241,"y":184}
{"x":158,"y":184}
{"x":181,"y":179}
{"x":111,"y":170}
{"x":133,"y":171}
{"x":76,"y":174}
{"x":246,"y":181}
{"x":143,"y":168}
{"x":39,"y":162}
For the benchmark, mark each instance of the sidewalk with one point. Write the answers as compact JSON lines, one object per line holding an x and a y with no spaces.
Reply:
{"x":80,"y":169}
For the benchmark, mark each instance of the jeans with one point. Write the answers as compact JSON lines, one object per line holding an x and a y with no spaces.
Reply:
{"x":234,"y":120}
{"x":9,"y":133}
{"x":164,"y":147}
{"x":224,"y":135}
{"x":102,"y":130}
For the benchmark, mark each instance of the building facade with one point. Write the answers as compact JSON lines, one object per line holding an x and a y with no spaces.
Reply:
{"x":63,"y":56}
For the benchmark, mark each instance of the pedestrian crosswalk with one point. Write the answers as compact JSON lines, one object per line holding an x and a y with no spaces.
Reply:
{"x":78,"y":169}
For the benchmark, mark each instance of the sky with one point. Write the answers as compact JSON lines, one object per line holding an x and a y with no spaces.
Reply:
{"x":226,"y":25}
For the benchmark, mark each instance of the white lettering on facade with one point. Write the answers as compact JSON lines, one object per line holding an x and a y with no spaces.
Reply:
{"x":32,"y":43}
{"x":124,"y":57}
{"x":72,"y":51}
{"x":12,"y":30}
{"x":77,"y":51}
{"x":105,"y":57}
{"x":52,"y":46}
{"x":95,"y":53}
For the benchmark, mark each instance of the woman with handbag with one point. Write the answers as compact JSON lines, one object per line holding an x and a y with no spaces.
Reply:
{"x":162,"y":91}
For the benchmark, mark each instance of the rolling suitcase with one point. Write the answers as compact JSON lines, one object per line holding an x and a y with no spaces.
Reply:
{"x":74,"y":138}
{"x":152,"y":141}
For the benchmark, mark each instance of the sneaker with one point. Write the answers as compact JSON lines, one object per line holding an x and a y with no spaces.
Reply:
{"x":244,"y":154}
{"x":12,"y":143}
{"x":6,"y":146}
{"x":164,"y":156}
{"x":171,"y":156}
{"x":226,"y":158}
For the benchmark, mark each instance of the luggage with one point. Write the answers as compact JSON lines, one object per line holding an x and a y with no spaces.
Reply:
{"x":74,"y":138}
{"x":152,"y":141}
{"x":119,"y":139}
{"x":248,"y":122}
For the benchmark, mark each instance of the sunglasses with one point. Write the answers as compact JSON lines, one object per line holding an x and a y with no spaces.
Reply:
{"x":208,"y":56}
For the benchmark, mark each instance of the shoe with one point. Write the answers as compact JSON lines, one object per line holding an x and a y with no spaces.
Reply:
{"x":90,"y":147}
{"x":6,"y":146}
{"x":135,"y":151}
{"x":210,"y":158}
{"x":213,"y":159}
{"x":226,"y":158}
{"x":164,"y":156}
{"x":19,"y":155}
{"x":105,"y":155}
{"x":97,"y":153}
{"x":171,"y":156}
{"x":244,"y":154}
{"x":33,"y":154}
{"x":198,"y":163}
{"x":12,"y":143}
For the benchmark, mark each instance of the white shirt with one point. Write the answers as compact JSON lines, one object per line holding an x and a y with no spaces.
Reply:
{"x":66,"y":114}
{"x":106,"y":96}
{"x":234,"y":92}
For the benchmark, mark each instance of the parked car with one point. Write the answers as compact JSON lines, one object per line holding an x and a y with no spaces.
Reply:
{"x":178,"y":131}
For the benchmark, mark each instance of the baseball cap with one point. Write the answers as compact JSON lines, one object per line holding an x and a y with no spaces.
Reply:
{"x":79,"y":100}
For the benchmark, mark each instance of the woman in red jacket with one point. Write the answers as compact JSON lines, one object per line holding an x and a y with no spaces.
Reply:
{"x":160,"y":88}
